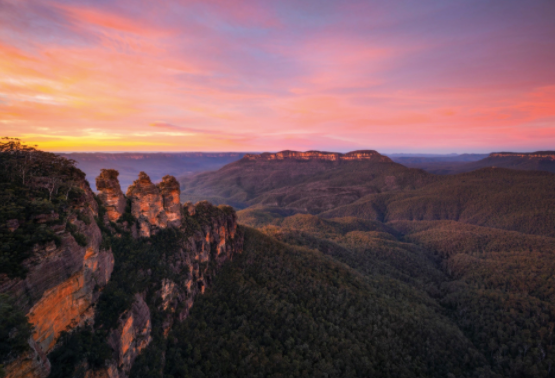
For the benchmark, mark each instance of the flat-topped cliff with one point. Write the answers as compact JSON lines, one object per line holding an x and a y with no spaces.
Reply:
{"x":550,"y":155}
{"x":528,"y":161}
{"x":318,"y":155}
{"x":311,"y":181}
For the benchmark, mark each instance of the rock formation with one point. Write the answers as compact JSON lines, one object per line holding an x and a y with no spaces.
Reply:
{"x":169,"y":189}
{"x":146,"y":205}
{"x":109,"y":192}
{"x":319,"y":155}
{"x":65,"y":280}
{"x":216,"y":241}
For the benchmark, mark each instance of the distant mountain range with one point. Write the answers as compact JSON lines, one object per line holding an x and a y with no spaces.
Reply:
{"x":438,"y":164}
{"x":450,"y":164}
{"x":375,"y":187}
{"x":537,"y":161}
{"x":154,"y":164}
{"x":183,"y":164}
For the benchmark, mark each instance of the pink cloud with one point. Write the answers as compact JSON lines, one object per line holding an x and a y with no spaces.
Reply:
{"x":265,"y":77}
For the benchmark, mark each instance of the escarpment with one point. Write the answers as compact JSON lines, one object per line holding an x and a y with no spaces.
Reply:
{"x":63,"y":281}
{"x":318,"y":155}
{"x":124,"y":269}
{"x":548,"y":155}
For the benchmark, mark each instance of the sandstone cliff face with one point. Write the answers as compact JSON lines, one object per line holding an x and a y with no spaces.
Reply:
{"x":29,"y":365}
{"x":131,"y":337}
{"x":319,"y":155}
{"x":192,"y":269}
{"x":169,"y":189}
{"x":59,"y":290}
{"x":218,"y":242}
{"x":65,"y":280}
{"x":109,"y":192}
{"x":146,"y":205}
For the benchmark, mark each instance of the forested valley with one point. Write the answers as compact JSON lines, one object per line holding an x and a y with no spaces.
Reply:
{"x":414,"y":276}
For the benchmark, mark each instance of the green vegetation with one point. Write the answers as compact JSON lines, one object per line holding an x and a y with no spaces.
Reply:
{"x":495,"y":285}
{"x":138,"y":266}
{"x":501,"y":198}
{"x":37,"y":190}
{"x":15,"y":330}
{"x":279,"y":310}
{"x":502,"y":294}
{"x":81,"y":345}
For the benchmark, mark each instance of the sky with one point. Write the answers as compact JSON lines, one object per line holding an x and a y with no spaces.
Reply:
{"x":434,"y":76}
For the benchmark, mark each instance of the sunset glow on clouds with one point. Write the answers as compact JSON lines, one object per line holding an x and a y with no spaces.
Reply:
{"x":396,"y":76}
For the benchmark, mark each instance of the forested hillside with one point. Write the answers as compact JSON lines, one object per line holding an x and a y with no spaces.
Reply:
{"x":341,"y":268}
{"x":476,"y":248}
{"x":385,"y":191}
{"x":283,"y":310}
{"x":502,"y":198}
{"x":310,"y":185}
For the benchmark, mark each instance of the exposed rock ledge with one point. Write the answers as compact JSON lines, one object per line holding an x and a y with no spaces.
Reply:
{"x":319,"y":155}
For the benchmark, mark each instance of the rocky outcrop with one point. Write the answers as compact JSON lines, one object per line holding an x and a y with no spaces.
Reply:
{"x":169,"y":189}
{"x":146,"y":205}
{"x":217,"y":242}
{"x":191,"y":269}
{"x":58,"y":291}
{"x":365,"y":155}
{"x":65,"y":280}
{"x":155,"y":206}
{"x":319,"y":155}
{"x":109,"y":192}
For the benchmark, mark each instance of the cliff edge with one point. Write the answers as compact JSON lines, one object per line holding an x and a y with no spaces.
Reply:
{"x":122,"y":269}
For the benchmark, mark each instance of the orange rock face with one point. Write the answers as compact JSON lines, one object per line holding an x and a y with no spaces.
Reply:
{"x":59,"y":293}
{"x":70,"y":302}
{"x":132,"y":335}
{"x":109,"y":192}
{"x":146,"y":205}
{"x":169,"y":189}
{"x":33,"y":364}
{"x":155,"y":206}
{"x":318,"y":155}
{"x":58,"y":308}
